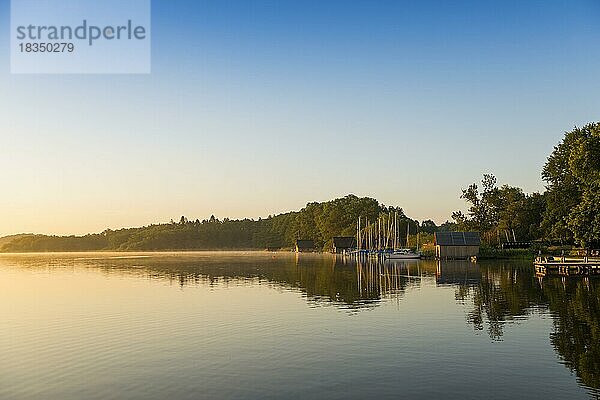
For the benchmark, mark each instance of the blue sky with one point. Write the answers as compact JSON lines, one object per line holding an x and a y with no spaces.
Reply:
{"x":254,"y":108}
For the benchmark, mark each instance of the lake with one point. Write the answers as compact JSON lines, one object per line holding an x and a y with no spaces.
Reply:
{"x":279,"y":325}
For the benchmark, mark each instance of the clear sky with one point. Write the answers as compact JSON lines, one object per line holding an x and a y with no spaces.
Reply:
{"x":257,"y":107}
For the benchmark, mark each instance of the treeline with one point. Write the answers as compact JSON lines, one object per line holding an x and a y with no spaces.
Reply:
{"x":567,"y":213}
{"x":317,"y":221}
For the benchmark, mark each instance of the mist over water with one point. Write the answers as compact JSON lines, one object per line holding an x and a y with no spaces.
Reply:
{"x":280,"y":325}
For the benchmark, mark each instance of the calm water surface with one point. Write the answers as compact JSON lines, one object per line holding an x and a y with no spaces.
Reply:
{"x":261,"y":325}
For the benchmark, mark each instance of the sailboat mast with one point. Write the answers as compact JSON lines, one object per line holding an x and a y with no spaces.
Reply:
{"x":389,"y":231}
{"x":395,"y":230}
{"x":379,"y":233}
{"x":358,"y":234}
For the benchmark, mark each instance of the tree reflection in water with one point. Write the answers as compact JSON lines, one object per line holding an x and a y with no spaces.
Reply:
{"x":509,"y":291}
{"x":505,"y":292}
{"x":575,"y":306}
{"x":495,"y":293}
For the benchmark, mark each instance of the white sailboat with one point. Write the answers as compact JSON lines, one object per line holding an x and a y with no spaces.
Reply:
{"x":405,"y":253}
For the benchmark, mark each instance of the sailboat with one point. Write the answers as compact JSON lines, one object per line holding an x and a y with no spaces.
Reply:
{"x":405,"y":253}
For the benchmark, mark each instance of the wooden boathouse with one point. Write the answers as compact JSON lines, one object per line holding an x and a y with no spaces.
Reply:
{"x":305,"y":246}
{"x":343,"y":244}
{"x":456,"y":245}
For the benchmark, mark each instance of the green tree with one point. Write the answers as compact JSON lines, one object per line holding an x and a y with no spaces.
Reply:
{"x":572,"y":173}
{"x":480,"y":215}
{"x":501,"y":211}
{"x":428,"y":226}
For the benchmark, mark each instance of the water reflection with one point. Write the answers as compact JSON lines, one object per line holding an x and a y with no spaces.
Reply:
{"x":504,"y":292}
{"x":575,"y":306}
{"x":509,"y":291}
{"x":458,"y":273}
{"x":494,"y":294}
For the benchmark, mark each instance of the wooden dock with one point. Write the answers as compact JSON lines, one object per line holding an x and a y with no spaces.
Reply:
{"x":566,"y":266}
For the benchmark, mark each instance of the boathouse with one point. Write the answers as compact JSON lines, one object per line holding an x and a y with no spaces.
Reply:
{"x":456,"y":245}
{"x":305,"y":246}
{"x":343,"y":244}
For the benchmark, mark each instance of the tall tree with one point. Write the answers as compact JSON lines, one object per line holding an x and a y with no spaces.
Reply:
{"x":480,"y":215}
{"x":572,"y":173}
{"x":505,"y":211}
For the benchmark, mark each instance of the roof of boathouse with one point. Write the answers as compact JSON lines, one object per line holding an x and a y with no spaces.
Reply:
{"x":457,"y":238}
{"x":305,"y":244}
{"x":344,"y":242}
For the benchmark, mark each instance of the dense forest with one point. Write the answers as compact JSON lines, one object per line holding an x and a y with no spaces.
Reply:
{"x":566,"y":213}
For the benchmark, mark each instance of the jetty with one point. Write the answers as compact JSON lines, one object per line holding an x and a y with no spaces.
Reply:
{"x":567,"y":265}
